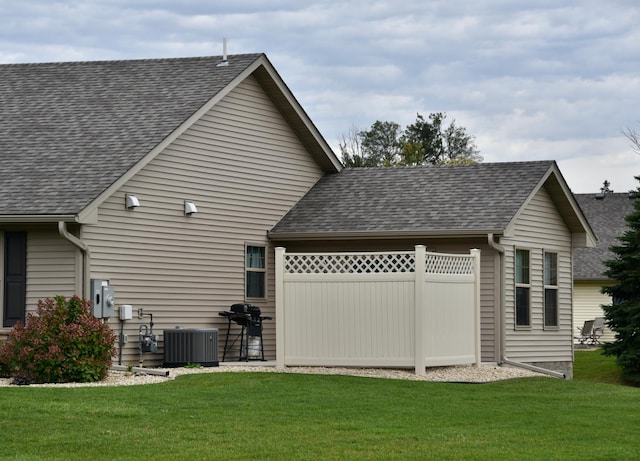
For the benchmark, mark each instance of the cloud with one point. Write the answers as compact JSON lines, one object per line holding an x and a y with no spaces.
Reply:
{"x":531,"y":80}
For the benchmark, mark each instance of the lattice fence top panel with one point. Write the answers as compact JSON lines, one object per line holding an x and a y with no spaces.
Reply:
{"x":449,"y":264}
{"x":349,"y":263}
{"x":368,"y":263}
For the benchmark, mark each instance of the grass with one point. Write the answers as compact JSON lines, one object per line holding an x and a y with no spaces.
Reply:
{"x":286,"y":416}
{"x":591,"y":365}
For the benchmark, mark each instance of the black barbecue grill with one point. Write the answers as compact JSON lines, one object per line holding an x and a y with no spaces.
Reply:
{"x":249,"y":318}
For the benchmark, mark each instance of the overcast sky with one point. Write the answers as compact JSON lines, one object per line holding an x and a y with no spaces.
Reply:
{"x":552,"y":80}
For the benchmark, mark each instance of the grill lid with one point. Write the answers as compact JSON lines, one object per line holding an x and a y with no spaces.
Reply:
{"x":246,"y":309}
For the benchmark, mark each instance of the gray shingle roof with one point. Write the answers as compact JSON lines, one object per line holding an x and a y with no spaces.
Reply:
{"x":429,"y":199}
{"x":606,"y":217}
{"x":70,"y":130}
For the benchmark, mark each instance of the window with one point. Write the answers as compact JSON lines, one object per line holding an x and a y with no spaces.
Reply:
{"x":550,"y":289}
{"x":255,"y":271}
{"x":523,"y":288}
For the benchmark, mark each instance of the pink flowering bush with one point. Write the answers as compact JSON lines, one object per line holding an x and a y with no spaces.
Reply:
{"x":62,"y":343}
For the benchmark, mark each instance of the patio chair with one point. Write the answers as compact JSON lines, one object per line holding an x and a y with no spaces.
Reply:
{"x":585,"y":333}
{"x":598,"y":330}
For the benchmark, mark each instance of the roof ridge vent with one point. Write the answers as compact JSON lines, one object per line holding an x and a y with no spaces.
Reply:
{"x":225,"y":61}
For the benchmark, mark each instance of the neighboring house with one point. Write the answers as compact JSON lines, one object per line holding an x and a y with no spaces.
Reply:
{"x":522,"y":216}
{"x":77,"y":138}
{"x":104,"y":162}
{"x":606,"y":213}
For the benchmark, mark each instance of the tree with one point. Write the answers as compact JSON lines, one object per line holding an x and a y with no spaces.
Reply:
{"x":351,"y":149}
{"x":634,"y":137}
{"x":381,"y":144}
{"x":423,"y":142}
{"x":439,"y":145}
{"x":459,"y":147}
{"x":378,"y":146}
{"x":623,"y":314}
{"x":605,"y":189}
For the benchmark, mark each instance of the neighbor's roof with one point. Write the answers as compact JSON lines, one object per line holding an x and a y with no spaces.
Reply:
{"x":69,"y":131}
{"x":427,"y":200}
{"x":606,"y":216}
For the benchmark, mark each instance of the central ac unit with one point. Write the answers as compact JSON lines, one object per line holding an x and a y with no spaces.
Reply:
{"x":184,"y":346}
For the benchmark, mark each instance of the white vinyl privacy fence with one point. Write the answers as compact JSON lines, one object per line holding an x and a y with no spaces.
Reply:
{"x":410,"y":309}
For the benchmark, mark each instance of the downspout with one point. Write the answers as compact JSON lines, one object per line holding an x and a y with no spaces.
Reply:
{"x":86,"y":256}
{"x":503,"y":357}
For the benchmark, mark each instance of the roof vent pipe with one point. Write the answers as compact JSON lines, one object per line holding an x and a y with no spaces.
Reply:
{"x":224,"y":62}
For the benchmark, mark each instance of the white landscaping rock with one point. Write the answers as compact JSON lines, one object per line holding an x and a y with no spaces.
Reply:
{"x":458,"y":374}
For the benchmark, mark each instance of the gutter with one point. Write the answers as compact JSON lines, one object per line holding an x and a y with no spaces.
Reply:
{"x":504,"y":360}
{"x":86,"y":256}
{"x":375,"y":235}
{"x":36,"y":218}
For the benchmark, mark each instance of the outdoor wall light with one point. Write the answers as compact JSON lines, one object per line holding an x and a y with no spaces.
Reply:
{"x":189,"y":208}
{"x":131,"y":202}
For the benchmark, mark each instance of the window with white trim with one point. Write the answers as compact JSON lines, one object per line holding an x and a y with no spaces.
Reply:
{"x":550,"y":290}
{"x":523,"y":289}
{"x":255,"y":271}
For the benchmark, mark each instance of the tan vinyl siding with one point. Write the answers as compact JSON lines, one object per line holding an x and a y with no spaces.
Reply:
{"x":53,"y":265}
{"x":243,"y":167}
{"x":489,"y":304}
{"x":539,"y":228}
{"x":587,"y":302}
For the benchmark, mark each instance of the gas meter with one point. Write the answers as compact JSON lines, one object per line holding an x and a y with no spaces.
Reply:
{"x":148,"y":341}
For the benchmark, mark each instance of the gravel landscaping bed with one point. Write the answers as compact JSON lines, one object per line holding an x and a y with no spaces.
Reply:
{"x":459,"y":374}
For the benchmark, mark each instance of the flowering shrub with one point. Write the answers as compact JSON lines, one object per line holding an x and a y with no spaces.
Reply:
{"x":63,"y":342}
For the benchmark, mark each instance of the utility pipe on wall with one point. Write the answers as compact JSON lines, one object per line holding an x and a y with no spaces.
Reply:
{"x":86,"y":256}
{"x":503,"y":358}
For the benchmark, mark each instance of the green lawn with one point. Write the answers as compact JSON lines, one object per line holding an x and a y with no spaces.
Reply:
{"x":286,"y":416}
{"x":595,"y":367}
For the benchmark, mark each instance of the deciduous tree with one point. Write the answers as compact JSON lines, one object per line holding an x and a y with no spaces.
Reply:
{"x":634,"y":137}
{"x":427,"y":141}
{"x":350,"y":145}
{"x":439,"y":144}
{"x":382,"y":143}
